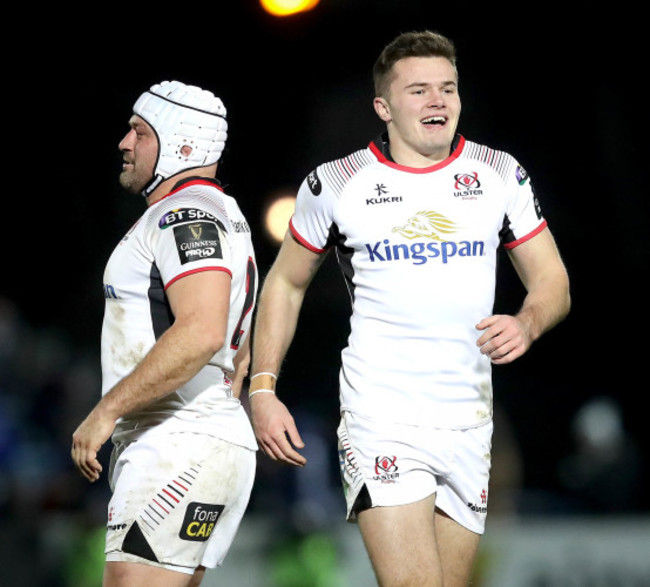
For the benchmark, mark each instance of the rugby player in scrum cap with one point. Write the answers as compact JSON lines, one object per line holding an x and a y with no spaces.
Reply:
{"x":180,"y":289}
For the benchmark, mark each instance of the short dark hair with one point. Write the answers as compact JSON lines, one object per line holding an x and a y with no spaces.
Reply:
{"x":411,"y":44}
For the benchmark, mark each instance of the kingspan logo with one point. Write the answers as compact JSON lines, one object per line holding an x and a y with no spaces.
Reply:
{"x":428,"y":228}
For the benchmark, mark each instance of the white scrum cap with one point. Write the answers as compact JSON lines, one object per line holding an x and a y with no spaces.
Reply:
{"x":183,"y":116}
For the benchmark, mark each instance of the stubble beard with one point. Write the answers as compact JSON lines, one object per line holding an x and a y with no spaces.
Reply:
{"x":130,"y":182}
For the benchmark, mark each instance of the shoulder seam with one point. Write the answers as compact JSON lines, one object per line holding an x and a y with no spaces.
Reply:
{"x":339,"y":172}
{"x":500,"y":161}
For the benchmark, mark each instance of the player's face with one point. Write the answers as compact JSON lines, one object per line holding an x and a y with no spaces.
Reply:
{"x":139,"y":152}
{"x":421,"y":110}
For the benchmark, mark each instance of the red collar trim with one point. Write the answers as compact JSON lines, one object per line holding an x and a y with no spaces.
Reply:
{"x":383,"y":159}
{"x":181,"y":185}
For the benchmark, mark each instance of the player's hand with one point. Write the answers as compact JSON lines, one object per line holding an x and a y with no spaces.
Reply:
{"x":275,"y":429}
{"x":504,"y":339}
{"x":87,"y":439}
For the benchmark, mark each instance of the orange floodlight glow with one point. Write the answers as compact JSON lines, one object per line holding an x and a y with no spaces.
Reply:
{"x":277,"y":216}
{"x":287,"y":7}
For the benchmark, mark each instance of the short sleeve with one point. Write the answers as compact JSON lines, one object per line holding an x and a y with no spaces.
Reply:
{"x":188,"y":239}
{"x":524,"y":217}
{"x":313,"y":216}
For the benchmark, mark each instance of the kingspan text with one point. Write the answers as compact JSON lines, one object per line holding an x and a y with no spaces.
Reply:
{"x":419,"y":252}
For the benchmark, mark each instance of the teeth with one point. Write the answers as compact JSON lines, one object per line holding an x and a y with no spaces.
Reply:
{"x":434,"y":120}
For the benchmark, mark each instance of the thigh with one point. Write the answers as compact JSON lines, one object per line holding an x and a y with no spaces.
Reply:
{"x":415,"y":544}
{"x":178,"y":500}
{"x":127,"y":574}
{"x":457,"y":549}
{"x":401,"y":543}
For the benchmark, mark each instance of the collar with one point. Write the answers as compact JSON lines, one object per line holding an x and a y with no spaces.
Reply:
{"x":181,"y":183}
{"x":381,"y":149}
{"x":189,"y":181}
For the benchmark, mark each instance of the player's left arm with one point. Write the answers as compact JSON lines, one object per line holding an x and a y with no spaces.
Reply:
{"x":199,"y":302}
{"x":547,"y":302}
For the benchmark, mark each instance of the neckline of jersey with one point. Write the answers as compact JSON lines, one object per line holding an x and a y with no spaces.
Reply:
{"x":383,"y":156}
{"x":188,"y":181}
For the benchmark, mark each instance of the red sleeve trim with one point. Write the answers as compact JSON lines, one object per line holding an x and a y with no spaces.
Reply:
{"x":523,"y":239}
{"x":302,"y":241}
{"x":200,"y":270}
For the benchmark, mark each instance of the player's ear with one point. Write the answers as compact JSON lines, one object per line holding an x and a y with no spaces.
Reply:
{"x":382,"y":108}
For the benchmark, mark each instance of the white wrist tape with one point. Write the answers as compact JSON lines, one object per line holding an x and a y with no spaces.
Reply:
{"x":264,"y":373}
{"x":252,"y":393}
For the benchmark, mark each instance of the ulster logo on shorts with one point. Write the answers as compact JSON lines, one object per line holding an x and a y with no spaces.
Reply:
{"x":386,"y":469}
{"x":200,"y":520}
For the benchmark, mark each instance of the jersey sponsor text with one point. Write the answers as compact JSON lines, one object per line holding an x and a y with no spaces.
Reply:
{"x":420,"y":253}
{"x":199,"y":521}
{"x":187,"y":215}
{"x":197,"y":241}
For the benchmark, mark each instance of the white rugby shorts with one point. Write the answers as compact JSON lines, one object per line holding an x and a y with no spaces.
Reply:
{"x":178,"y":500}
{"x":399,"y":464}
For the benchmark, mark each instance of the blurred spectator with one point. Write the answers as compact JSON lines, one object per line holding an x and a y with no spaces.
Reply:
{"x":45,"y":382}
{"x":506,"y":475}
{"x":603,"y":473}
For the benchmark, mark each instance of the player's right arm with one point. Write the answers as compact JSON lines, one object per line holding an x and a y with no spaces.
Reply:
{"x":279,"y":305}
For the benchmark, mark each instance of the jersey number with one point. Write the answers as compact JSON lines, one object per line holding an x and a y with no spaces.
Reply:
{"x":248,"y":303}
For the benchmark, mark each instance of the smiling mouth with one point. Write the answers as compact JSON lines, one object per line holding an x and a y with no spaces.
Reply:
{"x":434,"y":121}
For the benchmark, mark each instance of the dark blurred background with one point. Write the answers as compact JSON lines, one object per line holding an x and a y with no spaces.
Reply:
{"x":558,"y":85}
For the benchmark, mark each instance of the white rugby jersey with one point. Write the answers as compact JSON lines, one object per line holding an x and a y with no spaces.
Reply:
{"x":418,"y":250}
{"x":196,"y":227}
